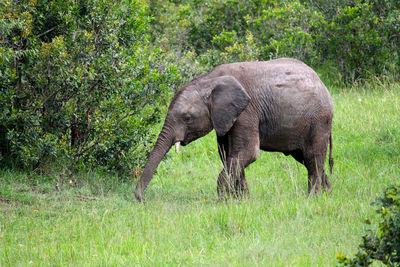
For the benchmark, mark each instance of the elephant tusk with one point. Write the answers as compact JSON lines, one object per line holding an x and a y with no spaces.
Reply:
{"x":177,"y":144}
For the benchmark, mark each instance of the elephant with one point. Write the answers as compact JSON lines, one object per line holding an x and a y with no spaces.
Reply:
{"x":279,"y":105}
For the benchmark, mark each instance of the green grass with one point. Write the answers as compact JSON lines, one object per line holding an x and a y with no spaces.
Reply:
{"x":98,"y":223}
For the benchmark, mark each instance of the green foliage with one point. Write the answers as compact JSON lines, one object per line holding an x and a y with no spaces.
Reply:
{"x":287,"y":30}
{"x":360,"y":37}
{"x":87,"y":80}
{"x":218,"y":17}
{"x":382,"y":245}
{"x":78,"y":81}
{"x":352,"y":38}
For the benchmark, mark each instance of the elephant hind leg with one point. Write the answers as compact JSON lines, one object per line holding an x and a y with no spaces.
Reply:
{"x":317,"y":177}
{"x":299,"y":156}
{"x":325,"y":181}
{"x":314,"y":161}
{"x":312,"y":164}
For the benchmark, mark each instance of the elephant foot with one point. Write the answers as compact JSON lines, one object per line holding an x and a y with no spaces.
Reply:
{"x":232,"y":186}
{"x":326,"y":184}
{"x":224,"y":187}
{"x":241,"y":189}
{"x":224,"y":195}
{"x":139,"y":196}
{"x":245,"y":194}
{"x":314,"y":184}
{"x":314,"y":190}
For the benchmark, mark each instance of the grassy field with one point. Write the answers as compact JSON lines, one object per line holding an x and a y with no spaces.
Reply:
{"x":91,"y":219}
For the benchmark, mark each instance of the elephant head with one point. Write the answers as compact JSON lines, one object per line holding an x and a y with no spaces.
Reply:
{"x":197,"y":108}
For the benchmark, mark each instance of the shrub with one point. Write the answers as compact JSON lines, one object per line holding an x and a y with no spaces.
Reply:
{"x":383,"y":244}
{"x":78,"y":82}
{"x":360,"y":37}
{"x":220,"y":17}
{"x":287,"y":30}
{"x":353,"y":40}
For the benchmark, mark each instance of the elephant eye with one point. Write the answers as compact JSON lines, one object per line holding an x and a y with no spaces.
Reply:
{"x":187,"y":118}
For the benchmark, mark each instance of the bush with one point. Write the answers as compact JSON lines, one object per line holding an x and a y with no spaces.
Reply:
{"x":287,"y":30}
{"x":78,"y":82}
{"x":221,"y":18}
{"x":360,"y":37}
{"x":383,"y":244}
{"x":87,"y":80}
{"x":352,"y":39}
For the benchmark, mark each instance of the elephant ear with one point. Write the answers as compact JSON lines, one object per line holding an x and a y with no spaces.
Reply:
{"x":228,"y":100}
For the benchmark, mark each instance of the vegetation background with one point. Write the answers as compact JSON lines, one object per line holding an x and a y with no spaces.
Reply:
{"x":84,"y":87}
{"x":84,"y":82}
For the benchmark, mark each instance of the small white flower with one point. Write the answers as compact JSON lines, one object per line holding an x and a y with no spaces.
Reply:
{"x":30,"y":262}
{"x":94,"y":255}
{"x":359,"y":100}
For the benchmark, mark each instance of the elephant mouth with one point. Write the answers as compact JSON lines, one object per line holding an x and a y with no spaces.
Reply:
{"x":190,"y":137}
{"x":183,"y":143}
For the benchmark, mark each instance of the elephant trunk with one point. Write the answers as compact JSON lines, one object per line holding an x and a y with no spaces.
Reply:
{"x":164,"y":142}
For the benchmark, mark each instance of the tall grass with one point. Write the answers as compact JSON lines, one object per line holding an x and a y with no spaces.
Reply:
{"x":91,"y":219}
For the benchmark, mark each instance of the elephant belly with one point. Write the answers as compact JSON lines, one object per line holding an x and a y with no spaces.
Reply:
{"x":283,"y":138}
{"x":286,"y":126}
{"x":280,"y":144}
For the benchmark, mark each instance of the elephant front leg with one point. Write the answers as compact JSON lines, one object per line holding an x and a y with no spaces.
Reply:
{"x":237,"y":150}
{"x":224,"y":186}
{"x":241,"y":187}
{"x":232,"y":184}
{"x":232,"y":181}
{"x":224,"y":183}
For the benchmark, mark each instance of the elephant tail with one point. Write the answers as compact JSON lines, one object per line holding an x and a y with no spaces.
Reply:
{"x":330,"y":154}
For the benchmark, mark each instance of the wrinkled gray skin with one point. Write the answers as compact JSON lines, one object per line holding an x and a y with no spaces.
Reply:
{"x":278,"y":105}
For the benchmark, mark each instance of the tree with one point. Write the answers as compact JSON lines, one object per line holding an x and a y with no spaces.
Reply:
{"x":77,"y":81}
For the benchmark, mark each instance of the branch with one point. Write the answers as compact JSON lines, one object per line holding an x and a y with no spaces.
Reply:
{"x":318,"y":6}
{"x":50,"y":96}
{"x":46,"y":32}
{"x":393,"y":36}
